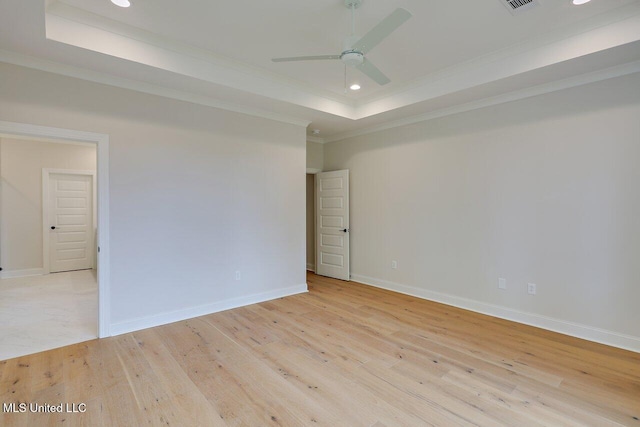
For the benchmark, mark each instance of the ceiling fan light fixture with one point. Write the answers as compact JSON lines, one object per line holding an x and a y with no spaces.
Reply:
{"x":352,"y":58}
{"x":354,"y":86}
{"x":121,"y":3}
{"x":579,"y":2}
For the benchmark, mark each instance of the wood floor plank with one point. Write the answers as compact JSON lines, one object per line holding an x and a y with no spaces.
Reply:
{"x":354,"y":404}
{"x":196,"y":409}
{"x":82,"y":366}
{"x":580,"y":411}
{"x":154,"y":401}
{"x":432,"y":400}
{"x":525,"y":409}
{"x":343,"y":354}
{"x":16,"y":379}
{"x":278,"y":399}
{"x":287,"y":328}
{"x":205,"y":354}
{"x":47,"y":370}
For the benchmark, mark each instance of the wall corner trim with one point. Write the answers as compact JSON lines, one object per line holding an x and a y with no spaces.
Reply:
{"x":589,"y":333}
{"x":202,"y":310}
{"x":516,"y":95}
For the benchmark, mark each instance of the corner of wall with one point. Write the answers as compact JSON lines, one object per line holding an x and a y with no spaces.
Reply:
{"x":202,"y":310}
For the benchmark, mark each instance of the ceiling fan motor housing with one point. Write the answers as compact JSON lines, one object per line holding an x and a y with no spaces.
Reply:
{"x":352,"y":58}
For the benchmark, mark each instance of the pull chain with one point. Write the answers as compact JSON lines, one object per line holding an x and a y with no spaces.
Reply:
{"x":345,"y":79}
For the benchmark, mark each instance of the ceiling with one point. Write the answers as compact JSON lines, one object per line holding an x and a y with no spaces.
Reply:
{"x":449,"y":57}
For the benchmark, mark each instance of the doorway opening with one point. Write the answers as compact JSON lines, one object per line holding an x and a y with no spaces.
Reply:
{"x":311,"y":223}
{"x":53,"y":237}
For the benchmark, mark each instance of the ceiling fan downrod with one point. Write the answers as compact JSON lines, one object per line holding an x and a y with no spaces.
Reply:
{"x":353,"y":5}
{"x":349,"y":56}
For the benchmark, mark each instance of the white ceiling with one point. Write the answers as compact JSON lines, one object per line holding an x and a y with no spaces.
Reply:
{"x":450,"y":56}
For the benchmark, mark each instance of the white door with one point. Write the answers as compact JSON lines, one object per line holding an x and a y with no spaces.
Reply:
{"x":332,"y":224}
{"x":70,"y":222}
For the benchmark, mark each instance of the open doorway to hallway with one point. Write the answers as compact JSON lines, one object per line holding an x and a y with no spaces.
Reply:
{"x":311,"y":223}
{"x":48,"y":285}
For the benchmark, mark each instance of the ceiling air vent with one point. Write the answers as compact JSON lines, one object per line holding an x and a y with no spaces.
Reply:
{"x":518,"y":6}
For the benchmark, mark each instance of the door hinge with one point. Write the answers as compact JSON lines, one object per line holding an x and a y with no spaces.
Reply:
{"x":98,"y":249}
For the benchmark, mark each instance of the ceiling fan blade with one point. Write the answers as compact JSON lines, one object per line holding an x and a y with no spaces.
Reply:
{"x":306,"y":58}
{"x":373,"y":72}
{"x":381,"y":31}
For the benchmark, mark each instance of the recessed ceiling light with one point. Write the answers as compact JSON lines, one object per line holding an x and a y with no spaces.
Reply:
{"x":121,"y":3}
{"x":354,"y":86}
{"x":579,"y":2}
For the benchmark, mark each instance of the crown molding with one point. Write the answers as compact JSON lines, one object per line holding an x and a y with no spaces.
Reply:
{"x":611,"y":19}
{"x":82,"y":29}
{"x":138,"y":86}
{"x":75,"y":27}
{"x":583,"y":79}
{"x":80,"y":16}
{"x":96,"y":77}
{"x":621,"y":26}
{"x":315,"y":139}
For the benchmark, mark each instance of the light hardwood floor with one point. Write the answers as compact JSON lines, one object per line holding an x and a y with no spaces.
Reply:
{"x":344,"y":354}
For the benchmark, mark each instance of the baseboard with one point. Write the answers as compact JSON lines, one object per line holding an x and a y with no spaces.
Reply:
{"x":311,"y":267}
{"x":12,"y":274}
{"x":577,"y":330}
{"x":201,"y":310}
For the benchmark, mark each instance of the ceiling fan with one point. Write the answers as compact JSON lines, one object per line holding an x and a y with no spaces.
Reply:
{"x":355,"y":48}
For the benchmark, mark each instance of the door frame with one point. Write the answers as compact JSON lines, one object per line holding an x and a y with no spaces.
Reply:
{"x":66,"y":136}
{"x":46,"y":177}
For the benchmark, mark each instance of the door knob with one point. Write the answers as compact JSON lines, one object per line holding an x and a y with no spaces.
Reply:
{"x":345,"y":230}
{"x":53,"y":227}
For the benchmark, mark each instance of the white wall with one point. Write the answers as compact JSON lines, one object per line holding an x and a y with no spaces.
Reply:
{"x":1,"y":230}
{"x":541,"y":190}
{"x":314,"y":156}
{"x":196,"y":194}
{"x":21,"y":198}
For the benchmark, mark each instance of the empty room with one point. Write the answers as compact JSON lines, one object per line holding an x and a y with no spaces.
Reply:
{"x":330,"y":212}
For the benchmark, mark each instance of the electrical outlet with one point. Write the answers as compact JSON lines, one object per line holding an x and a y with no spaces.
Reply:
{"x":502,"y":283}
{"x":238,"y":275}
{"x":532,"y":289}
{"x":394,"y":264}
